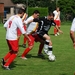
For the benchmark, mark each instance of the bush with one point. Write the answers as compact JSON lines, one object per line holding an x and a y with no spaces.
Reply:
{"x":43,"y":11}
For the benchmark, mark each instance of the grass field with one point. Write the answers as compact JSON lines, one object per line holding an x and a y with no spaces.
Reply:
{"x":62,"y":48}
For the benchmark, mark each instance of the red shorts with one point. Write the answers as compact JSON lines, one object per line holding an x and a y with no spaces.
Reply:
{"x":13,"y":45}
{"x":31,"y":43}
{"x":19,"y":32}
{"x":57,"y":22}
{"x":37,"y":38}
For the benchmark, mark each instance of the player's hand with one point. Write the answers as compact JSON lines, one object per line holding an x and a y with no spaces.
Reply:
{"x":60,"y":31}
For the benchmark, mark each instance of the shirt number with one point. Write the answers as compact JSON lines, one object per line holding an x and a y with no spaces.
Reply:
{"x":10,"y":23}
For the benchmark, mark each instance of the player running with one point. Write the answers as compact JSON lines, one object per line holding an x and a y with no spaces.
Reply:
{"x":32,"y":26}
{"x":11,"y":26}
{"x":45,"y":24}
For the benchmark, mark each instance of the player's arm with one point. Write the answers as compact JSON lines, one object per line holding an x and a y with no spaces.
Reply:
{"x":72,"y":36}
{"x":27,"y":36}
{"x":54,"y":24}
{"x":58,"y":29}
{"x":6,"y":24}
{"x":24,"y":17}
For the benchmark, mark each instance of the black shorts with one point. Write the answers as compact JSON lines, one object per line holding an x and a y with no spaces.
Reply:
{"x":41,"y":34}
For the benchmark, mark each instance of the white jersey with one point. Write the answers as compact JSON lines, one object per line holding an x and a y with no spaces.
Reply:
{"x":11,"y":25}
{"x":56,"y":15}
{"x":73,"y":25}
{"x":31,"y":26}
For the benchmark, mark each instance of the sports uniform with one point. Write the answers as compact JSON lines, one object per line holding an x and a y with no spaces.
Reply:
{"x":43,"y":28}
{"x":11,"y":26}
{"x":19,"y":32}
{"x":30,"y":29}
{"x":57,"y":21}
{"x":72,"y":30}
{"x":73,"y":25}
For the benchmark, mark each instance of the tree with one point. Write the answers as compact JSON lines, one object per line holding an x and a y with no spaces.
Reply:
{"x":19,"y":1}
{"x":33,"y":3}
{"x":67,"y":7}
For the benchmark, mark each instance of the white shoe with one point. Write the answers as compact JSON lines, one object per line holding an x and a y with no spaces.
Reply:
{"x":58,"y":33}
{"x":23,"y":58}
{"x":55,"y":34}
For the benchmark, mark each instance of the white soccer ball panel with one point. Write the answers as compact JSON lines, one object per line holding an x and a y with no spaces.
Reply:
{"x":51,"y":57}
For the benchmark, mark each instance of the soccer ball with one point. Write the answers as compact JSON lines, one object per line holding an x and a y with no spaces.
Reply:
{"x":51,"y":57}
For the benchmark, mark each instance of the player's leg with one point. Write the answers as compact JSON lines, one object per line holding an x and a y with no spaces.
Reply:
{"x":30,"y":46}
{"x":10,"y":60}
{"x":18,"y":34}
{"x":40,"y":48}
{"x":9,"y":53}
{"x":48,"y":45}
{"x":38,"y":39}
{"x":14,"y":48}
{"x":58,"y":24}
{"x":25,"y":39}
{"x":24,"y":42}
{"x":55,"y":30}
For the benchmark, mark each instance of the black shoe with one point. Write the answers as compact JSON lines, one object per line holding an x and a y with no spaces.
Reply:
{"x":24,"y":45}
{"x":40,"y":55}
{"x":2,"y":62}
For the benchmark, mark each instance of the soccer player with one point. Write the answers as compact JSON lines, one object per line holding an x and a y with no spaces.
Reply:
{"x":72,"y":30}
{"x":19,"y":32}
{"x":57,"y":20}
{"x":45,"y":24}
{"x":30,"y":30}
{"x":11,"y":26}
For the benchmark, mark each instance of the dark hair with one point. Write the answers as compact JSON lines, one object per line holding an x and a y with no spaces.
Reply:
{"x":21,"y":10}
{"x":51,"y":14}
{"x":36,"y":12}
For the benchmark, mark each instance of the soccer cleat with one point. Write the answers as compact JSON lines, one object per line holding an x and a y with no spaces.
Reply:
{"x":55,"y":34}
{"x":23,"y":58}
{"x":24,"y":45}
{"x":58,"y":33}
{"x":6,"y":67}
{"x":2,"y":62}
{"x":41,"y":55}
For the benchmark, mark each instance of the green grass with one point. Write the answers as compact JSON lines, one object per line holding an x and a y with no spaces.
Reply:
{"x":62,"y":48}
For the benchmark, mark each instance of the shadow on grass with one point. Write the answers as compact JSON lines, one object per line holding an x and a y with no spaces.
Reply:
{"x":31,"y":56}
{"x":63,"y":74}
{"x":51,"y":34}
{"x":14,"y":64}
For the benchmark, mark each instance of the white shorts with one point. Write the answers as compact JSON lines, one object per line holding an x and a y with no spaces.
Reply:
{"x":73,"y":25}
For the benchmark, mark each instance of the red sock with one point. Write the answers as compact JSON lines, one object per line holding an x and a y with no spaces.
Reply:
{"x":55,"y":30}
{"x":10,"y":60}
{"x":25,"y":52}
{"x":25,"y":39}
{"x":7,"y":55}
{"x":40,"y":48}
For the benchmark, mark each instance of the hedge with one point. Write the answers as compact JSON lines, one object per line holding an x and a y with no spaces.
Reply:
{"x":43,"y":11}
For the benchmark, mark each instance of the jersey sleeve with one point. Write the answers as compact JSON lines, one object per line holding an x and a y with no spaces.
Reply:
{"x":73,"y":25}
{"x":20,"y":26}
{"x":6,"y":24}
{"x":53,"y":23}
{"x":28,"y":20}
